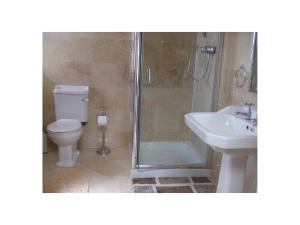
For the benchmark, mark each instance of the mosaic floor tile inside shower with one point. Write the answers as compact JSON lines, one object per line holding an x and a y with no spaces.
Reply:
{"x":173,"y":185}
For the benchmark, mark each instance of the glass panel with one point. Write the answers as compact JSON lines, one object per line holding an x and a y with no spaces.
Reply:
{"x":169,"y":90}
{"x":253,"y":84}
{"x":204,"y":90}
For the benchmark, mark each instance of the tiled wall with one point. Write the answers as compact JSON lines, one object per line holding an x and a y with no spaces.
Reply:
{"x":100,"y":60}
{"x":169,"y":96}
{"x":237,"y":49}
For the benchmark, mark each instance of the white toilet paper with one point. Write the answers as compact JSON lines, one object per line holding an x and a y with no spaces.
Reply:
{"x":102,"y":120}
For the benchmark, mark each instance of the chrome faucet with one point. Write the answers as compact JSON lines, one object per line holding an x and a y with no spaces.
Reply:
{"x":247,"y":115}
{"x":249,"y":110}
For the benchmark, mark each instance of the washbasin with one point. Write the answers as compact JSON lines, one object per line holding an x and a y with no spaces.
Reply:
{"x":231,"y":131}
{"x":223,"y":132}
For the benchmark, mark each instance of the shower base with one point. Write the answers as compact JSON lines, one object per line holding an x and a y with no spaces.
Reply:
{"x":170,"y":153}
{"x":170,"y":158}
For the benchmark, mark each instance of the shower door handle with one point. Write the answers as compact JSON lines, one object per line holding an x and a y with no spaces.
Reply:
{"x":148,"y":75}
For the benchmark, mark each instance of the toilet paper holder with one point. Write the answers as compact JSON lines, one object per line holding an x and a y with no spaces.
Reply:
{"x":102,"y":113}
{"x":103,"y":150}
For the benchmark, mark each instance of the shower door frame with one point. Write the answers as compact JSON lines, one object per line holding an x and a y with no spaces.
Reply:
{"x":137,"y":46}
{"x":137,"y":63}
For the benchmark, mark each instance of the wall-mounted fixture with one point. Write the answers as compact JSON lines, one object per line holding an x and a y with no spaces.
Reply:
{"x":240,"y":76}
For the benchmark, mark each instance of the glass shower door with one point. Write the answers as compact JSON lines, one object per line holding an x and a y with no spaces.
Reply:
{"x":167,"y":93}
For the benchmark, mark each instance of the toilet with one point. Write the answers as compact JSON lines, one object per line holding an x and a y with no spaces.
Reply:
{"x":71,"y":109}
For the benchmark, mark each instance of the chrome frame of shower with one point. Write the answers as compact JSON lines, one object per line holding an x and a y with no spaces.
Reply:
{"x":137,"y":62}
{"x":136,"y":71}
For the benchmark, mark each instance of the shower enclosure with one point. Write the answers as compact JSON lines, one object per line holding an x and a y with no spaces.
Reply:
{"x":174,"y":74}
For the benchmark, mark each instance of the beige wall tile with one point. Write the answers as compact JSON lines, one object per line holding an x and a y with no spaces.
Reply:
{"x":100,"y":60}
{"x":90,"y":35}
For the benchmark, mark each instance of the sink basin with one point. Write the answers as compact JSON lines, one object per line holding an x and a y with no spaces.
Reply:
{"x":223,"y":132}
{"x":230,"y":135}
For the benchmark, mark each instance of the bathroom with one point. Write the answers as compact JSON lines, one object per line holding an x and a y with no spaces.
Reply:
{"x":157,"y":129}
{"x":143,"y":85}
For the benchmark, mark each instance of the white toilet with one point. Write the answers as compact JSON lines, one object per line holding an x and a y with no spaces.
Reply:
{"x":71,"y":108}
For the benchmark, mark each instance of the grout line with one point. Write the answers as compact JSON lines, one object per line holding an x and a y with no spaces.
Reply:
{"x":143,"y":185}
{"x":174,"y":184}
{"x":157,"y":180}
{"x":154,"y":188}
{"x":193,"y":189}
{"x":168,"y":185}
{"x":190,"y":179}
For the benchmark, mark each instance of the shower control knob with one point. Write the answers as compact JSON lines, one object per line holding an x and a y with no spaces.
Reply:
{"x":208,"y":49}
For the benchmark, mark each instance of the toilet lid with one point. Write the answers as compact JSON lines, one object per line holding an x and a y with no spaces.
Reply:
{"x":64,"y":125}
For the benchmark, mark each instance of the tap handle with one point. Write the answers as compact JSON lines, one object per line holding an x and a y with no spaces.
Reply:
{"x":249,"y":104}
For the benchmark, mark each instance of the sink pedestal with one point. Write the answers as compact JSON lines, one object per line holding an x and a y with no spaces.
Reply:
{"x":232,"y":173}
{"x":234,"y":137}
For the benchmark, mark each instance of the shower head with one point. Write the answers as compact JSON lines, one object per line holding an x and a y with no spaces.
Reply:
{"x":208,"y":49}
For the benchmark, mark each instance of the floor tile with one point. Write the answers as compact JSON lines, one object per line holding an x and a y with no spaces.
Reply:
{"x":111,"y":174}
{"x":201,"y":180}
{"x":117,"y":163}
{"x":205,"y":188}
{"x":174,"y":189}
{"x":150,"y":180}
{"x":62,"y":180}
{"x":49,"y":160}
{"x":109,"y":184}
{"x":88,"y":158}
{"x":173,"y":180}
{"x":143,"y":189}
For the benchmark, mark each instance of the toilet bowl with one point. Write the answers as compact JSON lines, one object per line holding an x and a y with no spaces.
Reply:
{"x":65,"y":133}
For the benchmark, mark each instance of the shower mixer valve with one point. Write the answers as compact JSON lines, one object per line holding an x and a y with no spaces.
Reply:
{"x":208,"y":49}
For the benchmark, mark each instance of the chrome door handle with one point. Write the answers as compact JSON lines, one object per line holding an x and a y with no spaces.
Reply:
{"x":148,"y":75}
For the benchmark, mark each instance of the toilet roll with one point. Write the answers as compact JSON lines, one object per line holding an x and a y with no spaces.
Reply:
{"x":102,"y":120}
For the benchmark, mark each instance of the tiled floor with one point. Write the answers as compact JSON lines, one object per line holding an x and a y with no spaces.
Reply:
{"x":173,"y":185}
{"x":97,"y":174}
{"x":92,"y":173}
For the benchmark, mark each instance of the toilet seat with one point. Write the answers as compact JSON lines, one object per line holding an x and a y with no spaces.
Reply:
{"x":64,"y":126}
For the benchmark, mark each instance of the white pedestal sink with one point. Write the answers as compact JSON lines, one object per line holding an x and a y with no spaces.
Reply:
{"x":234,"y":137}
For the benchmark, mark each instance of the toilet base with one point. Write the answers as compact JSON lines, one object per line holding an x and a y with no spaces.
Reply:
{"x":67,"y":156}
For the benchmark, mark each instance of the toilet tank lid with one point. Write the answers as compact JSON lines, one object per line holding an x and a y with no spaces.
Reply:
{"x":71,"y":89}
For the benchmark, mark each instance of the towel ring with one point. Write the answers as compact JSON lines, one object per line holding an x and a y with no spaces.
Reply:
{"x":240,"y":76}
